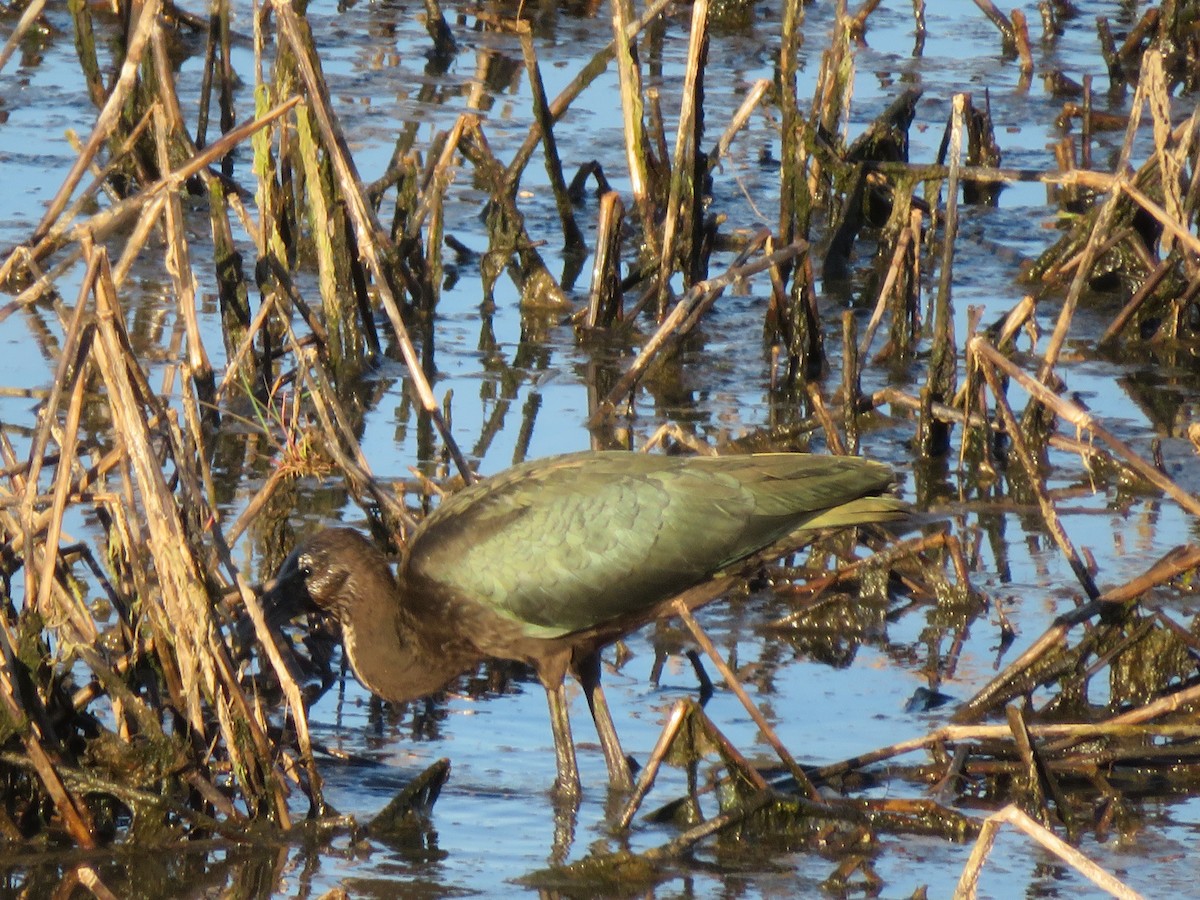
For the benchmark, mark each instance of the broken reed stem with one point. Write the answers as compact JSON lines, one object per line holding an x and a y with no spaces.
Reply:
{"x":444,"y":45}
{"x":1177,"y":561}
{"x":1083,"y":272}
{"x":680,"y":608}
{"x":753,"y":97}
{"x":690,"y":307}
{"x":506,"y":226}
{"x":1140,"y":296}
{"x":85,"y":782}
{"x":1086,"y":125}
{"x":821,"y":413}
{"x":646,"y":777}
{"x":966,"y":889}
{"x":684,"y":709}
{"x":794,"y":197}
{"x":41,"y":579}
{"x":356,"y":469}
{"x":997,"y":18}
{"x":896,"y":397}
{"x":1082,"y":420}
{"x":41,"y":557}
{"x":435,"y":239}
{"x":594,"y":67}
{"x":943,"y":364}
{"x":1174,"y":226}
{"x":636,"y":144}
{"x":1170,"y":163}
{"x":918,"y":28}
{"x":735,"y":762}
{"x":885,"y":292}
{"x":1084,"y":178}
{"x":246,"y":347}
{"x":439,"y":175}
{"x":143,"y":230}
{"x":320,"y":208}
{"x":835,"y":84}
{"x":572,"y":237}
{"x":28,"y":17}
{"x":605,"y":298}
{"x":67,"y":358}
{"x":1036,"y":778}
{"x":970,"y":395}
{"x":858,"y":21}
{"x":1172,"y":703}
{"x":86,"y":876}
{"x":1020,"y":34}
{"x":1063,"y":735}
{"x":1032,"y":472}
{"x":82,"y":626}
{"x":179,"y":266}
{"x":688,"y":839}
{"x":851,"y":386}
{"x":681,"y":199}
{"x":208,"y":71}
{"x":255,"y":505}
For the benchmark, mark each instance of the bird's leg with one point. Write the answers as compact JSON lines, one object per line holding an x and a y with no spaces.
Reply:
{"x":567,"y":782}
{"x":587,"y":671}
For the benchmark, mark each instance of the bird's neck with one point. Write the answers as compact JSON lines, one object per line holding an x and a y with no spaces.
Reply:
{"x":393,"y":657}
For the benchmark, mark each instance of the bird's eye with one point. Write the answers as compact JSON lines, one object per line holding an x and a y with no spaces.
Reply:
{"x":306,"y":571}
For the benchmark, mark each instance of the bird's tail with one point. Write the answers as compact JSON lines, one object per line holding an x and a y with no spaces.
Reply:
{"x":861,"y":512}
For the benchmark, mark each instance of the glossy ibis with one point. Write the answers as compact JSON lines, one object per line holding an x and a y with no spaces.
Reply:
{"x":552,"y":560}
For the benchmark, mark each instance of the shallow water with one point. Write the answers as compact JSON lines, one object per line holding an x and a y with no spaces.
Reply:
{"x":494,"y":822}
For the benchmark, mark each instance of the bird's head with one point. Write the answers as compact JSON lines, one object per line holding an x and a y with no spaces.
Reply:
{"x":328,"y":572}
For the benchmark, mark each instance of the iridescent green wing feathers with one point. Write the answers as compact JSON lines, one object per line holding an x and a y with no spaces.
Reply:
{"x":568,"y":543}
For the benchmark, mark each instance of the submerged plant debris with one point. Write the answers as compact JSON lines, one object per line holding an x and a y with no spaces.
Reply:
{"x":163,"y":462}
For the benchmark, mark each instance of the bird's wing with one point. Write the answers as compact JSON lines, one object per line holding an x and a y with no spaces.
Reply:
{"x":569,"y":543}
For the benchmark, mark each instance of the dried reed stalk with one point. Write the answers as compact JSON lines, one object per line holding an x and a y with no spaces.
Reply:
{"x":686,"y":315}
{"x":1083,"y":420}
{"x":967,"y":885}
{"x":181,"y":618}
{"x":680,"y":608}
{"x":682,"y":203}
{"x":636,"y":144}
{"x":934,"y":437}
{"x":985,"y":361}
{"x":147,"y":21}
{"x":28,"y":17}
{"x":572,"y":237}
{"x":367,"y":231}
